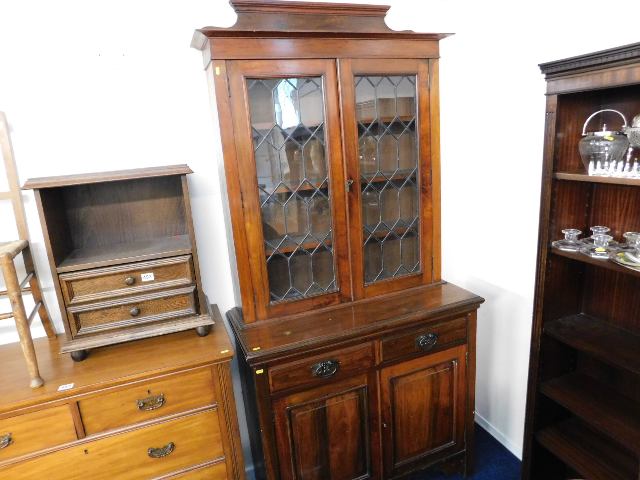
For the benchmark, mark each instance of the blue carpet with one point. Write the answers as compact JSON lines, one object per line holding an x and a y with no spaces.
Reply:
{"x":493,"y":462}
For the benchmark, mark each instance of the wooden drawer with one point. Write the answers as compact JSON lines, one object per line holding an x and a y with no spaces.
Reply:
{"x":195,"y":438}
{"x":216,"y":471}
{"x":337,"y":365}
{"x":129,"y":279}
{"x":130,"y":311}
{"x":35,"y":431}
{"x":434,"y":337}
{"x":147,"y":400}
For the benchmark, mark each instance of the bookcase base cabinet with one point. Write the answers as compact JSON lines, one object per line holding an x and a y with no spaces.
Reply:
{"x":371,"y":406}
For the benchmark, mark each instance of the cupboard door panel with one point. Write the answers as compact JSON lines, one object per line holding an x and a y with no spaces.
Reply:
{"x":324,"y":433}
{"x":386,"y":123}
{"x":287,"y":132}
{"x":423,"y":409}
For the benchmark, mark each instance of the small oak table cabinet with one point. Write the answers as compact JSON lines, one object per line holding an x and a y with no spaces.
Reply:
{"x":583,"y":403}
{"x":122,"y":251}
{"x":358,"y":361}
{"x":160,"y":407}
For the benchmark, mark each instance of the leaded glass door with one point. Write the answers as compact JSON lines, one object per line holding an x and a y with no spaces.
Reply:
{"x":286,"y":122}
{"x":387,"y":122}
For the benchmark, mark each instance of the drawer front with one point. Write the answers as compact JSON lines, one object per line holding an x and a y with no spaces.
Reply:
{"x":147,"y":400}
{"x":148,"y":452}
{"x":132,"y":311}
{"x":130,"y":279}
{"x":35,"y":431}
{"x":319,"y":369}
{"x":217,"y":471}
{"x":425,"y":339}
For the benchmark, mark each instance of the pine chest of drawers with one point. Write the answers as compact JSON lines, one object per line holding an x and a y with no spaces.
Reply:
{"x":155,"y":408}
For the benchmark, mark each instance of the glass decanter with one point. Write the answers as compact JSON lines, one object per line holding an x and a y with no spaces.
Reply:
{"x":601,"y":247}
{"x":570,"y":242}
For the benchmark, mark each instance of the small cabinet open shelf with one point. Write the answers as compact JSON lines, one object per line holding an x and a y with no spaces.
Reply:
{"x":584,"y":378}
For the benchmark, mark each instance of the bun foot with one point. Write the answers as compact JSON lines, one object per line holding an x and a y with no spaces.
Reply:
{"x":203,"y":330}
{"x":79,"y":355}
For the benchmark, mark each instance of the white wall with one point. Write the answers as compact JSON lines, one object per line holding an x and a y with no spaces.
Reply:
{"x":99,"y":86}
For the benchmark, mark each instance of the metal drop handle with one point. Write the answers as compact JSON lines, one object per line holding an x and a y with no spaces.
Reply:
{"x":584,"y":128}
{"x":162,"y":451}
{"x":5,"y":440}
{"x":134,"y":312}
{"x":325,"y":369}
{"x":427,"y":342}
{"x":152,"y":402}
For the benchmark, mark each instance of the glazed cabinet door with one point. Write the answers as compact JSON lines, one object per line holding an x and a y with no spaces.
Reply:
{"x":324,"y":433}
{"x":423,"y":410}
{"x":387,"y":121}
{"x":291,"y":174}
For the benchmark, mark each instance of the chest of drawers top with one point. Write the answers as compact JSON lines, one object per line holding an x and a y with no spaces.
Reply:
{"x":106,"y":367}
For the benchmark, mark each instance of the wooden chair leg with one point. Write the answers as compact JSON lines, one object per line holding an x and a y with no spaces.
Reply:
{"x":36,"y":293}
{"x":20,"y":316}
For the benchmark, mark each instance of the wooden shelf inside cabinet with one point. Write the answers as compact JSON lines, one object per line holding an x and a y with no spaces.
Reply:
{"x":608,"y":264}
{"x":591,"y":455}
{"x":583,"y":177}
{"x":599,"y":406}
{"x":609,"y":344}
{"x":400,"y":230}
{"x":93,"y":257}
{"x":387,"y":119}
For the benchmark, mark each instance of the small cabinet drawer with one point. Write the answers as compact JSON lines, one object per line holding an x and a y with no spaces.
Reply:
{"x":337,"y":364}
{"x":130,"y":311}
{"x":149,"y":452}
{"x":129,"y":279}
{"x":424,"y":339}
{"x":35,"y":431}
{"x":147,"y":400}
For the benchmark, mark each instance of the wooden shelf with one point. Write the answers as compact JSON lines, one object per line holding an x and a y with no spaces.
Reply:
{"x":591,"y":455}
{"x":384,"y":178}
{"x":609,"y":344}
{"x":310,"y":186}
{"x":93,"y":257}
{"x":608,"y":264}
{"x":387,"y":119}
{"x":599,"y":406}
{"x":311,"y":245}
{"x":583,"y":177}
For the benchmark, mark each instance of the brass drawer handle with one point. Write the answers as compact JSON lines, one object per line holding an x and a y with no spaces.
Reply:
{"x":153,"y":402}
{"x":5,"y":440}
{"x":129,"y":281}
{"x":325,"y":369}
{"x":134,"y":312}
{"x":163,"y":451}
{"x":427,"y":342}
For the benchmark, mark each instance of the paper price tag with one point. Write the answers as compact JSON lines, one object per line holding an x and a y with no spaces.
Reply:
{"x":66,"y":386}
{"x":147,"y":277}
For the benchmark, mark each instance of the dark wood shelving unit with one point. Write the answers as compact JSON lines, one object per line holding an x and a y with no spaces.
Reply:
{"x":599,"y":339}
{"x":583,"y":400}
{"x":607,"y":412}
{"x":592,"y":455}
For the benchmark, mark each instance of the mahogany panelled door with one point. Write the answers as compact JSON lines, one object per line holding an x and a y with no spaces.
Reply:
{"x":423,"y":408}
{"x":357,"y":361}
